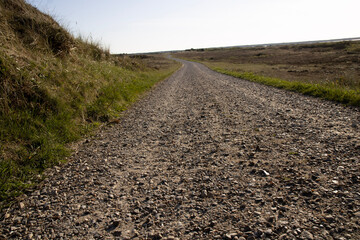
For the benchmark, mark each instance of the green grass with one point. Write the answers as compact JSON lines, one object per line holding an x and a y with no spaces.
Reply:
{"x":55,"y":89}
{"x":328,"y":92}
{"x":79,"y":98}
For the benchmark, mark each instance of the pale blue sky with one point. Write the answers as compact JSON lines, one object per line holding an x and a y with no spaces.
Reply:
{"x":131,"y":26}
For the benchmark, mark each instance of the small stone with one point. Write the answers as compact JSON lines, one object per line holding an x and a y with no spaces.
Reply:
{"x":179,"y":225}
{"x":283,"y":222}
{"x":116,"y":233}
{"x":306,"y":193}
{"x":155,"y":236}
{"x":283,"y":236}
{"x":268,"y":231}
{"x":15,"y":234}
{"x":127,"y":234}
{"x":335,"y":182}
{"x":357,"y":214}
{"x":227,"y":236}
{"x":57,"y":215}
{"x":247,"y":228}
{"x":329,"y":218}
{"x":280,"y":200}
{"x":306,"y":235}
{"x":258,"y":233}
{"x":135,"y":232}
{"x":264,"y":173}
{"x":54,"y":192}
{"x":112,"y":226}
{"x":230,"y":235}
{"x":270,"y":219}
{"x":18,"y":219}
{"x":257,"y":213}
{"x":340,"y":168}
{"x":21,"y":205}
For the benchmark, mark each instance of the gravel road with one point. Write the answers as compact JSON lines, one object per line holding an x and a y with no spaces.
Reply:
{"x":205,"y":156}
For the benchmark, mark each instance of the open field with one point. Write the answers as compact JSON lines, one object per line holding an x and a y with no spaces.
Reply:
{"x":333,"y":65}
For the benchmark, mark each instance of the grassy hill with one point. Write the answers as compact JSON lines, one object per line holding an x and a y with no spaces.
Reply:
{"x":54,"y":89}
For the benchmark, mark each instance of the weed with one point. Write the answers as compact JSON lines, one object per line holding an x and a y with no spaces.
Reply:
{"x":293,"y":153}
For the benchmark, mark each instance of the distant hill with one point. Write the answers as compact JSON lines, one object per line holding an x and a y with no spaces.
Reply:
{"x":295,"y":43}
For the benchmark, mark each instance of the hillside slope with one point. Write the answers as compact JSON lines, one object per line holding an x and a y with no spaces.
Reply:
{"x":55,"y":88}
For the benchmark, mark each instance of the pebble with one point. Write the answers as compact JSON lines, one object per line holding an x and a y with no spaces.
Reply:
{"x":264,"y":173}
{"x":268,"y":231}
{"x":170,"y":173}
{"x":306,"y":235}
{"x":230,"y":235}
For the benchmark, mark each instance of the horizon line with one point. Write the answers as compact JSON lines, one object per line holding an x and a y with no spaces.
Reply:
{"x":247,"y":45}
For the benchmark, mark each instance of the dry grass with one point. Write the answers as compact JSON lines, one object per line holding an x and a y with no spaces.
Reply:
{"x":324,"y":63}
{"x":54,"y":89}
{"x":24,"y":25}
{"x":327,"y":70}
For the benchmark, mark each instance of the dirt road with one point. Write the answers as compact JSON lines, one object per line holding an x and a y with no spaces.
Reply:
{"x":206,"y":156}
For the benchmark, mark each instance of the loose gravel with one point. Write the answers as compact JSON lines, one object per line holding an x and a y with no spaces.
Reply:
{"x":205,"y":156}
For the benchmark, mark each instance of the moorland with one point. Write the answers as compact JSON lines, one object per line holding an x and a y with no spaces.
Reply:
{"x":330,"y":70}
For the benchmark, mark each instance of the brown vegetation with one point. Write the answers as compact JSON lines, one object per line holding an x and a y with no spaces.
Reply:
{"x":55,"y":88}
{"x":334,"y":62}
{"x":24,"y":24}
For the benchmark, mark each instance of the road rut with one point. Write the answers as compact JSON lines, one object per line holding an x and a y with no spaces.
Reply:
{"x":205,"y":156}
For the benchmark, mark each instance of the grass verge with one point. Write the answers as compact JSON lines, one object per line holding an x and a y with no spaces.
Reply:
{"x":36,"y":137}
{"x":55,"y":89}
{"x":329,"y":91}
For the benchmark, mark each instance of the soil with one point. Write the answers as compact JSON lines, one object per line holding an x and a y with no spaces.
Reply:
{"x":205,"y":156}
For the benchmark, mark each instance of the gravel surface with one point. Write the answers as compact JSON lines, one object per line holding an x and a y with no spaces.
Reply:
{"x":205,"y":156}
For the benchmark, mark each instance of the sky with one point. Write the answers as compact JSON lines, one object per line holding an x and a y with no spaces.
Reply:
{"x":137,"y":26}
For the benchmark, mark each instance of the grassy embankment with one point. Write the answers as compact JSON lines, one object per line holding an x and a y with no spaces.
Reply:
{"x":327,"y":70}
{"x":56,"y":88}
